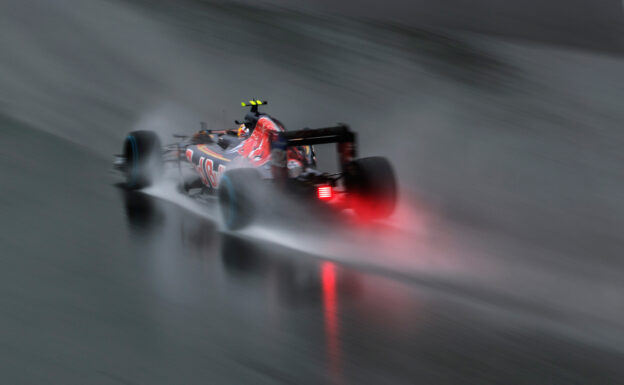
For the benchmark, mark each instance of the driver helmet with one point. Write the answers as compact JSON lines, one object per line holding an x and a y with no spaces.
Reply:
{"x":243,"y":131}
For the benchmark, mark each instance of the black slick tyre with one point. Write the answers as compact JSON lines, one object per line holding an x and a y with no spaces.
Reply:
{"x":371,"y":184}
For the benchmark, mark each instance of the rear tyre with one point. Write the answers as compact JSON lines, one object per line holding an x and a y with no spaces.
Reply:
{"x":144,"y":162}
{"x":235,"y":198}
{"x":371,"y":184}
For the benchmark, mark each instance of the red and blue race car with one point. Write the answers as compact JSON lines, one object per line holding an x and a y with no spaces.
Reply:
{"x":233,"y":163}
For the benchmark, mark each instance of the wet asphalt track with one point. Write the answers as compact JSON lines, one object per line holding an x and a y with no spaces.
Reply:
{"x":503,"y":267}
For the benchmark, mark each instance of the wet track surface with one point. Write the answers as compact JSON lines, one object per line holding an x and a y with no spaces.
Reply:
{"x":502,"y":266}
{"x":127,"y":288}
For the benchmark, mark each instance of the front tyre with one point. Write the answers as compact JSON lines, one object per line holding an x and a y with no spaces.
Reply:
{"x":235,"y":197}
{"x":372,"y":187}
{"x":143,"y":153}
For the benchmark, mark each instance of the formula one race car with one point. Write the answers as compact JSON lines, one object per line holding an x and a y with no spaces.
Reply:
{"x":232,"y":163}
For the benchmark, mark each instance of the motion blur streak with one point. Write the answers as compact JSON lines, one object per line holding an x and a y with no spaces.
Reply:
{"x":502,"y":264}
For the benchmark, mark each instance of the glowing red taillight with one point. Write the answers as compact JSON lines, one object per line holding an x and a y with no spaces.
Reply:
{"x":324,"y":192}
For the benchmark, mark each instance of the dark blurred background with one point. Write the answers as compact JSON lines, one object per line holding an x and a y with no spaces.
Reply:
{"x":503,"y":263}
{"x":579,"y":23}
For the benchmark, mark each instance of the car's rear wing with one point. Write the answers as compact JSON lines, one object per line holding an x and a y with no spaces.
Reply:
{"x":341,"y":135}
{"x":308,"y":137}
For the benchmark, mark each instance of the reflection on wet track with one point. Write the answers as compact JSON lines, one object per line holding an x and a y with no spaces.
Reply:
{"x":282,"y":284}
{"x":276,"y":273}
{"x":357,"y":326}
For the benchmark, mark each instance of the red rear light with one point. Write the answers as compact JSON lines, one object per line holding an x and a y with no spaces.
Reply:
{"x":324,"y":192}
